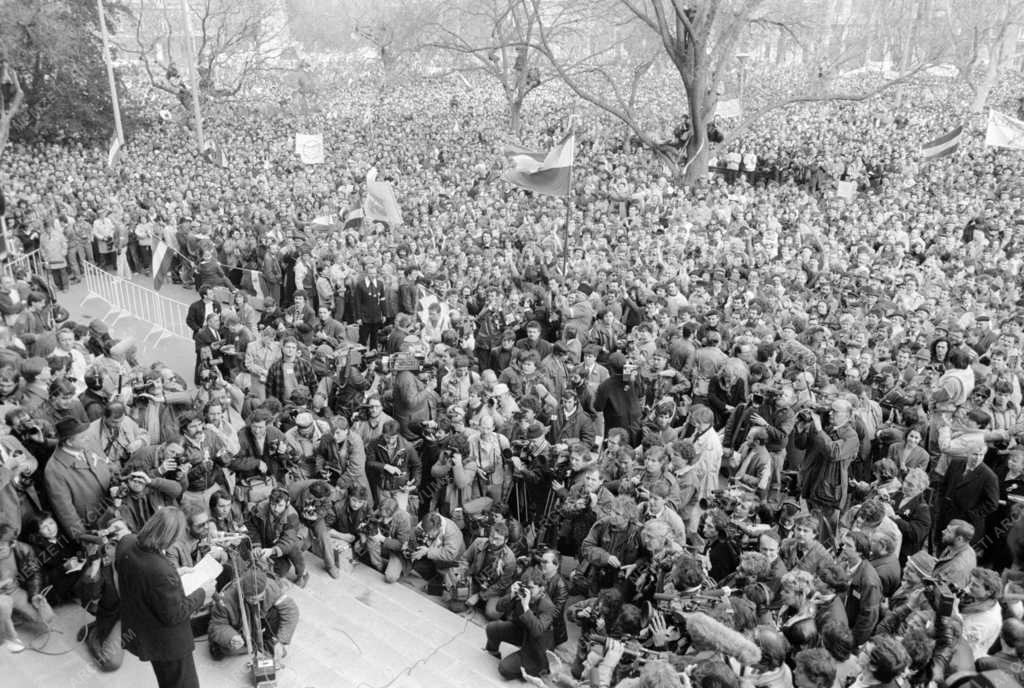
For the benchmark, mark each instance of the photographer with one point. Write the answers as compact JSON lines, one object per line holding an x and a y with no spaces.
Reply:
{"x":981,"y":610}
{"x":342,"y":456}
{"x":156,"y":405}
{"x":825,"y":474}
{"x":434,"y":550}
{"x":770,"y":408}
{"x":387,"y":543}
{"x":272,"y":616}
{"x":612,"y":543}
{"x":303,"y":441}
{"x":492,"y":568}
{"x":529,"y":627}
{"x":371,"y":425}
{"x":116,"y":436}
{"x":458,"y":476}
{"x":273,"y":526}
{"x":394,"y":467}
{"x":864,"y":599}
{"x":203,"y":461}
{"x":97,"y":591}
{"x":143,"y":495}
{"x":315,"y":502}
{"x":20,"y":584}
{"x":37,"y":436}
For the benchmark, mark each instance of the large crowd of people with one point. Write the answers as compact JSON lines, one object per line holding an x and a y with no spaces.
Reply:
{"x":738,"y":433}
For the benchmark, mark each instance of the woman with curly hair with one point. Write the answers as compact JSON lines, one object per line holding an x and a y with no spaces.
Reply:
{"x":796,"y":616}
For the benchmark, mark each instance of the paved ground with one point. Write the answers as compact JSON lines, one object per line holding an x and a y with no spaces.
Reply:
{"x":177,"y":352}
{"x":354,"y":632}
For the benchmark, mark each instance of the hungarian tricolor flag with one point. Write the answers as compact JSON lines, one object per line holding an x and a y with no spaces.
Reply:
{"x":254,"y":283}
{"x":114,"y":152}
{"x":162,"y":255}
{"x":544,"y":173}
{"x":944,"y":145}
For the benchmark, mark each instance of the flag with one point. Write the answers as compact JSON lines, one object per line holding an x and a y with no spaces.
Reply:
{"x":354,"y":218}
{"x":114,"y":152}
{"x":162,"y":255}
{"x":380,"y":204}
{"x":944,"y":145}
{"x":214,"y":155}
{"x":1004,"y":131}
{"x":310,"y":148}
{"x":542,"y":173}
{"x":253,"y":282}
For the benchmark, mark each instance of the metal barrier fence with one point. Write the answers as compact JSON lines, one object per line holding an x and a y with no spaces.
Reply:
{"x":127,"y":299}
{"x":32,"y":262}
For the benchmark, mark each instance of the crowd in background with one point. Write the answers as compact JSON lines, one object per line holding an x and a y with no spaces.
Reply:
{"x":740,"y":432}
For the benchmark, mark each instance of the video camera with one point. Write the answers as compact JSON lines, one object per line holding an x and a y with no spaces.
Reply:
{"x":942,"y":595}
{"x":804,"y":415}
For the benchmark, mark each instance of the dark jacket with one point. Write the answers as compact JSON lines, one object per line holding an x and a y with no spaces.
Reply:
{"x":226,"y":615}
{"x":825,"y":477}
{"x":580,"y":426}
{"x":196,"y":317}
{"x":155,"y":613}
{"x":537,"y":625}
{"x":914,"y":519}
{"x":268,"y":530}
{"x":370,"y":300}
{"x":863,"y":602}
{"x":969,"y":497}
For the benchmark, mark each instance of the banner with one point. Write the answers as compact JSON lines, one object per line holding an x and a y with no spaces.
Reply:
{"x":380,"y":204}
{"x":729,"y":108}
{"x":846,"y":190}
{"x":1004,"y":131}
{"x":310,"y":148}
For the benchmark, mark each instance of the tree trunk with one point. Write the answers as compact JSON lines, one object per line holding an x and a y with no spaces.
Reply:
{"x":515,"y":108}
{"x":697,"y":152}
{"x":988,"y":81}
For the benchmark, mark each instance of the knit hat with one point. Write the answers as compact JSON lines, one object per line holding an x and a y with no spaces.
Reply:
{"x":922,"y":562}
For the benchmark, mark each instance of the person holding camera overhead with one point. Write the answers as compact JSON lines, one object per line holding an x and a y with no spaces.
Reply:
{"x":529,"y":625}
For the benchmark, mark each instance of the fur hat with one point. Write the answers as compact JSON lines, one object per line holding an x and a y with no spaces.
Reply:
{"x":708,"y":633}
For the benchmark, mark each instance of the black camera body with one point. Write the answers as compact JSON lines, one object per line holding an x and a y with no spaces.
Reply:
{"x":373,"y":525}
{"x":942,"y":596}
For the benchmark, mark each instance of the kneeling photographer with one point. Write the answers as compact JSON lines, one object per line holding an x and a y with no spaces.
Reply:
{"x":255,"y":596}
{"x":491,"y":566}
{"x":529,"y":626}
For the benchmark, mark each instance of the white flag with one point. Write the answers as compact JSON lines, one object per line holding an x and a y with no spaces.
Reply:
{"x":1004,"y":131}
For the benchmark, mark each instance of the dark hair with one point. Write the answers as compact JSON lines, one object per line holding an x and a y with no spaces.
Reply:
{"x":920,"y":647}
{"x":837,"y":639}
{"x":261,"y":415}
{"x":278,"y":495}
{"x":958,"y":358}
{"x":216,"y":497}
{"x":165,"y":527}
{"x":818,"y":666}
{"x":861,"y":543}
{"x":836,"y":577}
{"x":500,"y":528}
{"x":888,"y":658}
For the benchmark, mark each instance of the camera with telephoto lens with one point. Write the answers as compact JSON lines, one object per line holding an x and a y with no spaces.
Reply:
{"x":805,"y":415}
{"x":419,"y":539}
{"x":139,"y":384}
{"x":764,"y":394}
{"x":372,"y":525}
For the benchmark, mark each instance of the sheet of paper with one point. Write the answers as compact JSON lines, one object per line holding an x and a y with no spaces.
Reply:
{"x":206,"y":570}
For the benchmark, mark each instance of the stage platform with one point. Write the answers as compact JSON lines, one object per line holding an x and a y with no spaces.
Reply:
{"x":355,"y":632}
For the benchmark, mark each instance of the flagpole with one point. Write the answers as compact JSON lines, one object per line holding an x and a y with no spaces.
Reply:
{"x":568,"y":198}
{"x":118,"y":128}
{"x":193,"y":72}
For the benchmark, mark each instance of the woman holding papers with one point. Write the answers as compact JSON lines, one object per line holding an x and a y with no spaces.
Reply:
{"x":155,"y":611}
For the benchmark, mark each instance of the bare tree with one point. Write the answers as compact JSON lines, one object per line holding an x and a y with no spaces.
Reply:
{"x":496,"y":37}
{"x":11,"y":98}
{"x":983,"y":37}
{"x":234,"y":41}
